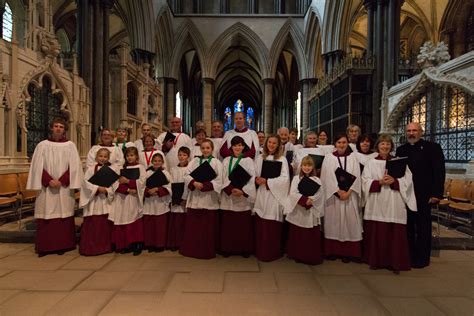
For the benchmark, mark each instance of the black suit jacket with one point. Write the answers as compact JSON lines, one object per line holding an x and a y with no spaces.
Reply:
{"x":426,"y":162}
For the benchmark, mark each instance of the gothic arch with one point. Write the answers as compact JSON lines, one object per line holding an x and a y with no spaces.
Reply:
{"x":164,"y":42}
{"x":224,"y":41}
{"x":335,"y":25}
{"x":313,"y":39}
{"x":187,"y":36}
{"x":289,"y":33}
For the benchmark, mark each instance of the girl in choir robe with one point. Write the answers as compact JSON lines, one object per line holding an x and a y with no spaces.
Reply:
{"x":304,"y":212}
{"x":385,"y":217}
{"x":364,"y":153}
{"x":106,"y":141}
{"x":127,"y":207}
{"x":156,"y":208}
{"x":236,"y":225}
{"x":96,"y":202}
{"x":202,"y":204}
{"x":55,"y":172}
{"x":177,"y":219}
{"x":200,"y":137}
{"x":145,"y":155}
{"x":121,"y":139}
{"x":269,"y":202}
{"x":342,"y":221}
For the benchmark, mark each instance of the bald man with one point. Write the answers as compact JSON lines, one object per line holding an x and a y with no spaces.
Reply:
{"x":426,"y":162}
{"x":249,"y":136}
{"x":171,"y":147}
{"x":146,"y":130}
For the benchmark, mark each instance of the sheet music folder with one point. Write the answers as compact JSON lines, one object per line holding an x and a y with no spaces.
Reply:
{"x":203,"y":173}
{"x":397,"y":167}
{"x":177,"y":190}
{"x":308,"y":187}
{"x":130,"y":173}
{"x":104,"y":177}
{"x":157,"y":179}
{"x":318,"y":160}
{"x":239,"y":177}
{"x":271,"y":169}
{"x":344,"y":179}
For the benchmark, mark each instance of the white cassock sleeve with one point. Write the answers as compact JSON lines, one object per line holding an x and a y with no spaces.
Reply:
{"x":88,"y":190}
{"x":75,"y":168}
{"x":141,"y":184}
{"x":407,"y":190}
{"x":36,"y":169}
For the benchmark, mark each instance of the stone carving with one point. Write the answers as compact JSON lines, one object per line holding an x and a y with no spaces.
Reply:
{"x":432,"y":56}
{"x":49,"y":44}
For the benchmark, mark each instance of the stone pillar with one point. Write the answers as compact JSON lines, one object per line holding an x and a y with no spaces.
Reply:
{"x":305,"y":95}
{"x":170,"y":97}
{"x":369,"y":5}
{"x":107,"y":120}
{"x":268,"y":106}
{"x":207,"y":102}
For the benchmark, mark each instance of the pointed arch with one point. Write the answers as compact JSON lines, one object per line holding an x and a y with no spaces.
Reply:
{"x":224,"y":41}
{"x":289,"y":33}
{"x":164,"y":42}
{"x":313,"y":39}
{"x":187,"y":36}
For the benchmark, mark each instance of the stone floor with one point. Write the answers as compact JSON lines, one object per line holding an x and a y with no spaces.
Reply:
{"x":169,"y":284}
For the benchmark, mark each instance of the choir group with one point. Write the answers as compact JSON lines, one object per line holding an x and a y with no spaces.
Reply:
{"x":232,"y":194}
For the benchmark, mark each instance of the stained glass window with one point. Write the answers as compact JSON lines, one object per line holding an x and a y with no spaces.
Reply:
{"x":43,"y":107}
{"x":228,"y":119}
{"x":7,"y":27}
{"x":250,"y":118}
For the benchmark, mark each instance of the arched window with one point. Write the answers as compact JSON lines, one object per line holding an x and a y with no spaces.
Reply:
{"x":249,"y":118}
{"x":228,"y":119}
{"x":239,"y":107}
{"x":131,"y":99}
{"x":447,"y":118}
{"x":43,"y":107}
{"x":7,"y":26}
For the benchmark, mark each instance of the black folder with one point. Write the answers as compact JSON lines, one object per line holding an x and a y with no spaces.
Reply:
{"x":344,"y":179}
{"x":104,"y":177}
{"x":308,"y":187}
{"x":157,"y":179}
{"x":130,"y":173}
{"x":289,"y":156}
{"x":168,"y":136}
{"x":239,"y":177}
{"x":177,"y":190}
{"x":203,"y":173}
{"x":271,"y":169}
{"x":396,"y":167}
{"x":318,"y":160}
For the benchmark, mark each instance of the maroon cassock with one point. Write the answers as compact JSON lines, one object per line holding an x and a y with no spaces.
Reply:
{"x":305,"y":244}
{"x":200,"y":234}
{"x":267,"y":239}
{"x":125,"y":235}
{"x":155,"y":228}
{"x":386,"y":246}
{"x":236,"y":232}
{"x":96,"y":233}
{"x":176,"y":225}
{"x":342,"y":248}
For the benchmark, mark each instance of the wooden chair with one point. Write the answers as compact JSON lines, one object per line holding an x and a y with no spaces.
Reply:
{"x":28,"y":197}
{"x":9,"y":193}
{"x":466,"y":207}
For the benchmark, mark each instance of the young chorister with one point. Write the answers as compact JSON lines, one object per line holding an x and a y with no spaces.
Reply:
{"x":127,"y":207}
{"x":157,"y":205}
{"x":304,"y":211}
{"x":385,"y":216}
{"x":96,"y":202}
{"x":177,"y":218}
{"x":145,"y":155}
{"x":202,"y":204}
{"x":272,"y":178}
{"x":340,"y":175}
{"x":237,"y":198}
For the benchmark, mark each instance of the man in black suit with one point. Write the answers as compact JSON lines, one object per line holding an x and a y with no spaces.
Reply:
{"x":426,"y":162}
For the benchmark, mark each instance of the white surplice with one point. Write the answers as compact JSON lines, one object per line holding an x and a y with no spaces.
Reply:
{"x":387,"y":205}
{"x":155,"y":205}
{"x":250,"y":138}
{"x":127,"y":208}
{"x":204,"y":200}
{"x":299,"y":215}
{"x":303,"y":152}
{"x":142,"y":158}
{"x":342,"y":220}
{"x":270,"y":204}
{"x":172,"y":155}
{"x":56,"y":158}
{"x":241,"y":203}
{"x":116,"y":155}
{"x":217,"y":147}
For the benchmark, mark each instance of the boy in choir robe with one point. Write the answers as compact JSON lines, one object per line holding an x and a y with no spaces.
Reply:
{"x":304,"y":212}
{"x":96,"y":202}
{"x":55,"y":172}
{"x":156,"y":208}
{"x":145,"y":156}
{"x":127,"y":207}
{"x":177,"y":219}
{"x":342,"y":221}
{"x":202,"y":204}
{"x":236,"y":225}
{"x":200,"y":137}
{"x":106,"y":141}
{"x":385,"y":216}
{"x":270,"y":201}
{"x":121,"y":139}
{"x":293,"y":138}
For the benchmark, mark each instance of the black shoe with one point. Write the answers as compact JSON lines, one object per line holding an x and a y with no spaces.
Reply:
{"x":60,"y":253}
{"x":137,"y":249}
{"x":331,"y":258}
{"x":159,"y":249}
{"x":151,"y":249}
{"x":123,"y":251}
{"x":42,"y":254}
{"x":246,"y":254}
{"x":346,"y":259}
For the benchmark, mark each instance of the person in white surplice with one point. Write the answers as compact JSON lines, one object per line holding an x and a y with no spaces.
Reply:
{"x":55,"y":172}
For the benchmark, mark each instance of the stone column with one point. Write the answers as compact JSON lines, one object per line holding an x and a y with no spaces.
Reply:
{"x":305,"y":85}
{"x":369,"y":5}
{"x":207,"y":102}
{"x":107,"y":120}
{"x":268,"y":105}
{"x":170,"y":97}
